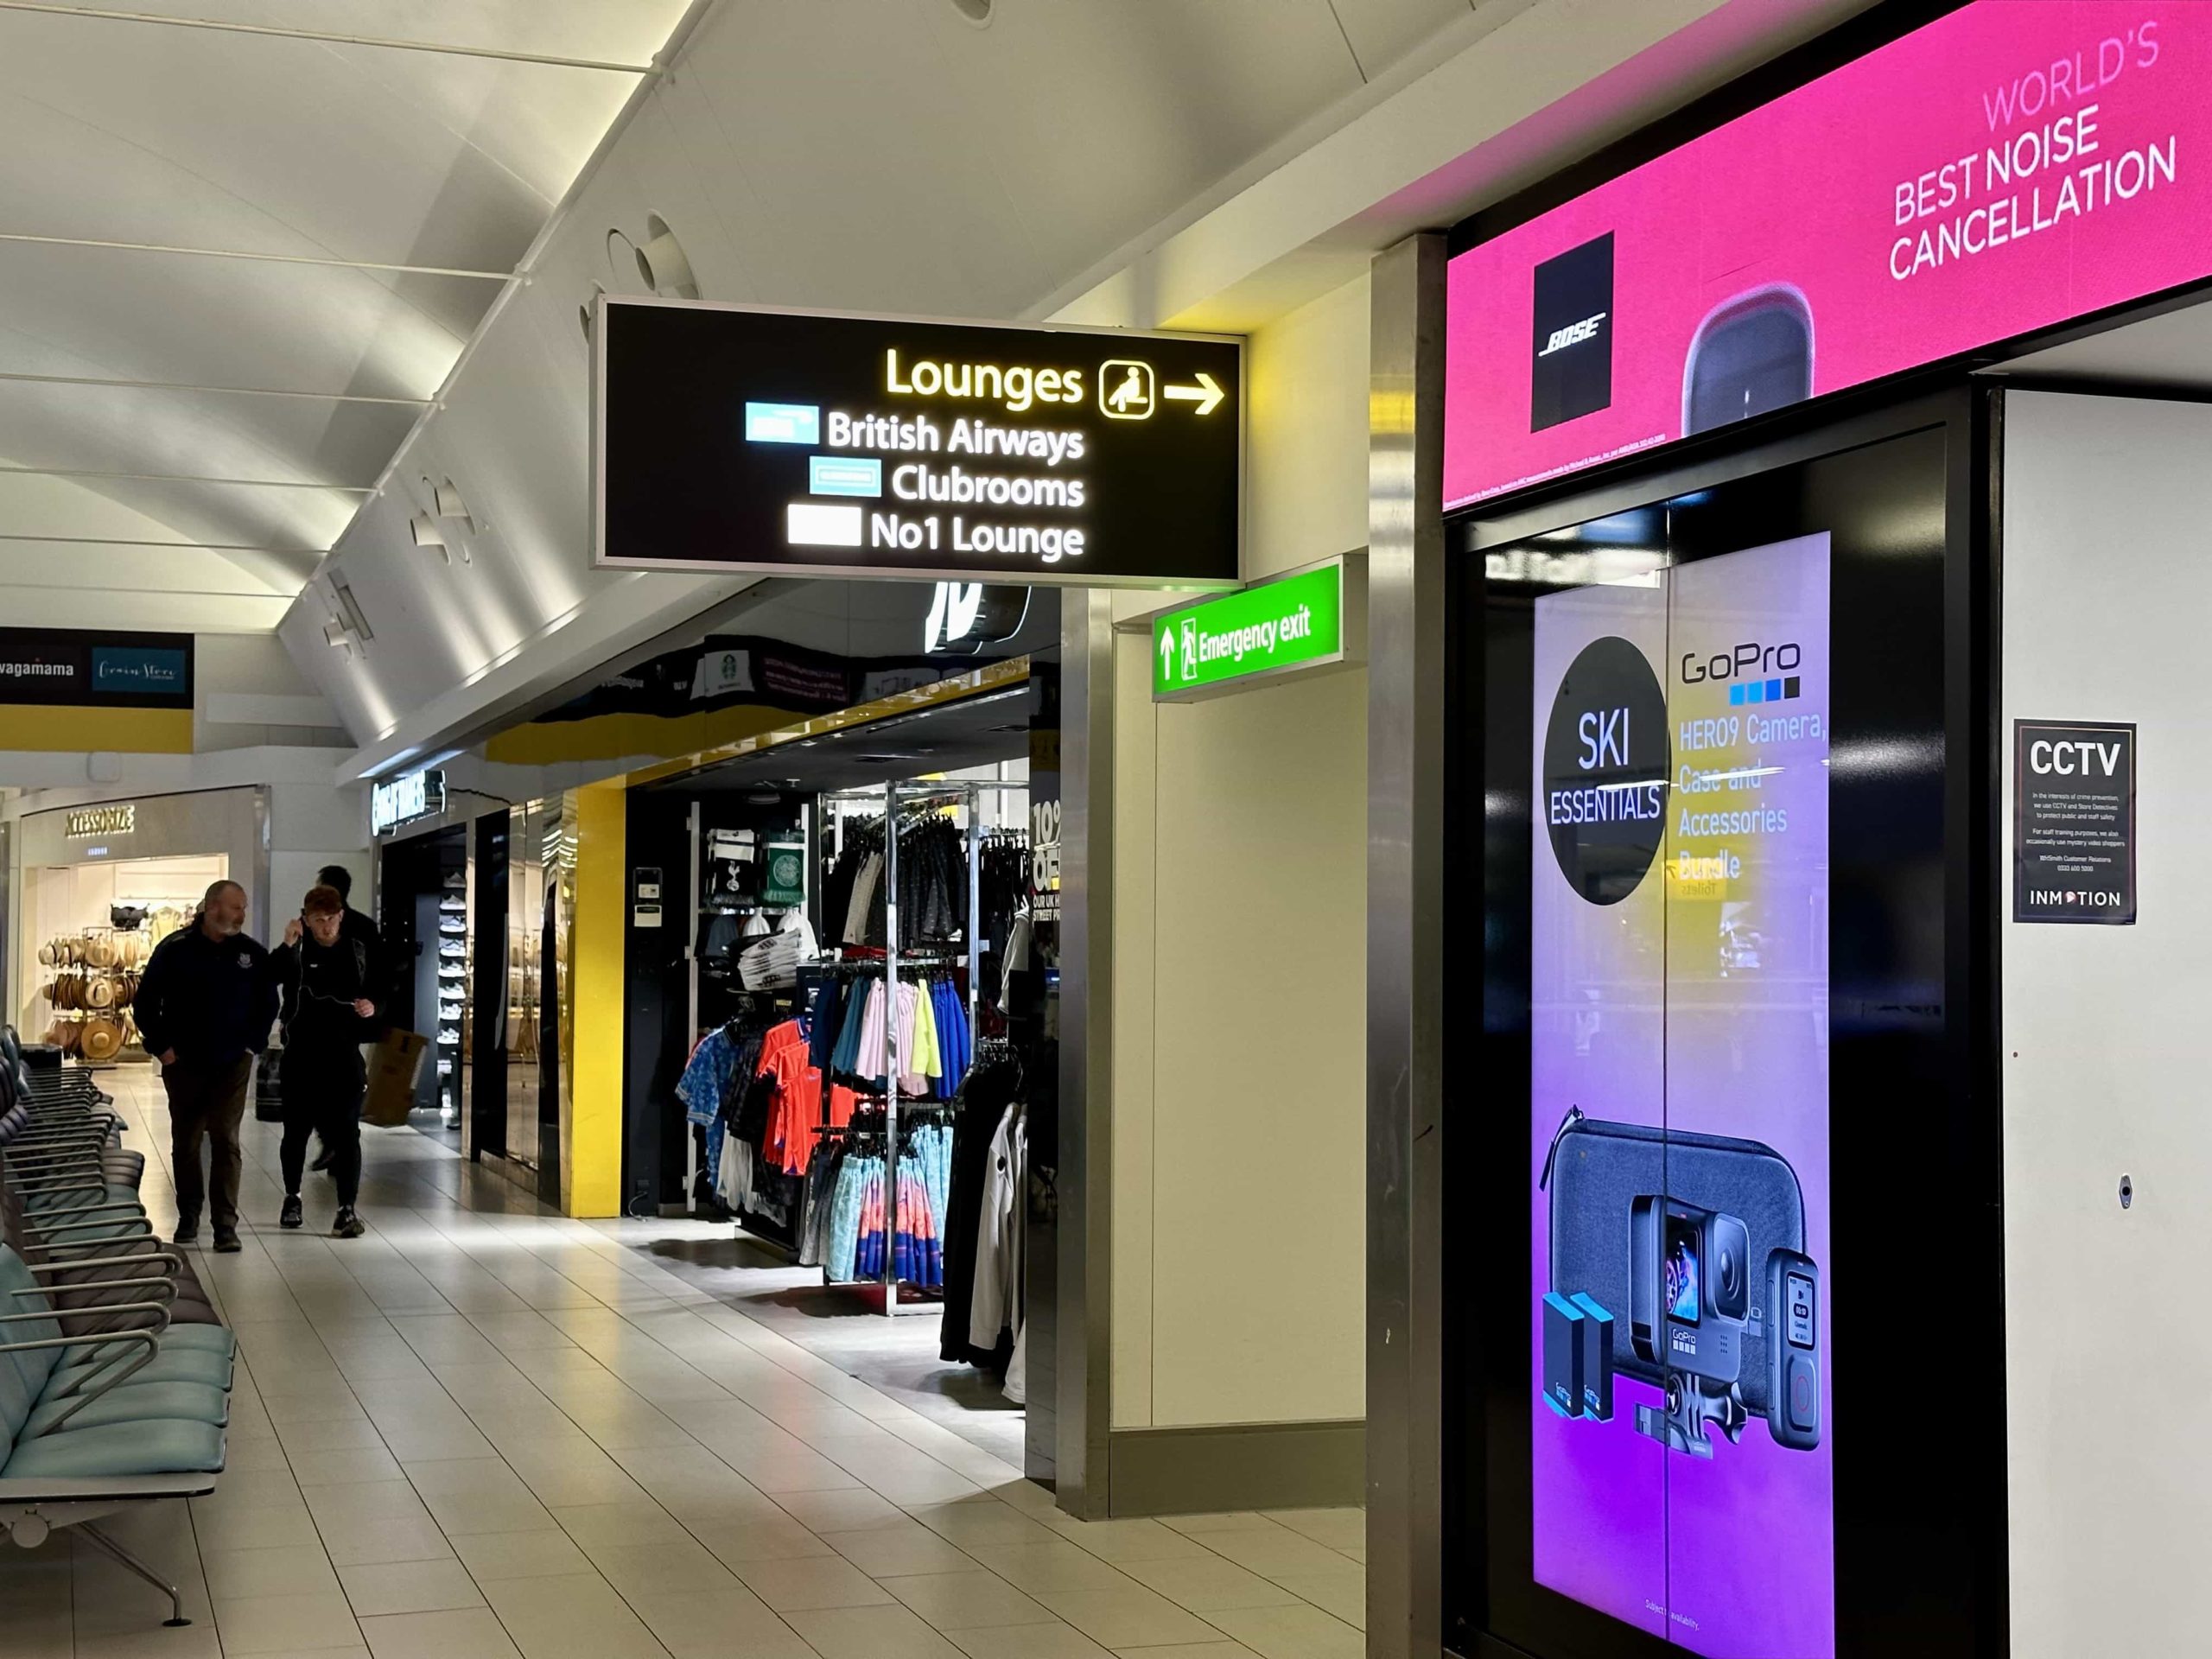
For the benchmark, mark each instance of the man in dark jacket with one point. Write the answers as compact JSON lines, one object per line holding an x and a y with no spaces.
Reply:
{"x":356,"y":926}
{"x":328,"y":1013}
{"x":204,"y":1008}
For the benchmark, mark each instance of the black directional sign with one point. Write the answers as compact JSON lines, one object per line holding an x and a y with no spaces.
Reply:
{"x":802,"y":442}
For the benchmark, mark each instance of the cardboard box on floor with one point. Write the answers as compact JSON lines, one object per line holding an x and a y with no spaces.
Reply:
{"x":393,"y":1064}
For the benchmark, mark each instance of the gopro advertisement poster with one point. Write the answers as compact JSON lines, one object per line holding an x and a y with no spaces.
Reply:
{"x":2007,"y":167}
{"x":1683,"y":1436}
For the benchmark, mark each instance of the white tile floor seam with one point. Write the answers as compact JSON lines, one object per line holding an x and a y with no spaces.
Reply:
{"x":487,"y":1432}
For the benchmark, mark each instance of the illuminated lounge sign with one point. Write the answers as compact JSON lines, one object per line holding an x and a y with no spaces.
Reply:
{"x":810,"y":443}
{"x":2011,"y":166}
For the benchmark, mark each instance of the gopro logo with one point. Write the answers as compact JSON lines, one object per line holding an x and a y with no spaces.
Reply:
{"x":1571,"y":347}
{"x":1683,"y":1342}
{"x":1572,"y":334}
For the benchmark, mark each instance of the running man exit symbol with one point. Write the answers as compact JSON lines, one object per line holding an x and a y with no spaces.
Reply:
{"x":1127,"y":389}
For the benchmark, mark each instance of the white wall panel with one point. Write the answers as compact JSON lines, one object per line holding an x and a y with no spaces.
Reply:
{"x":2105,"y":1046}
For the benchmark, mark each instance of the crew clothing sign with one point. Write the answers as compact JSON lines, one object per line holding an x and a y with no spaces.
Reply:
{"x":2073,"y":822}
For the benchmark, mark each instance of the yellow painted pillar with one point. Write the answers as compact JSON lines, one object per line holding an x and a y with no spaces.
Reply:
{"x":589,"y":938}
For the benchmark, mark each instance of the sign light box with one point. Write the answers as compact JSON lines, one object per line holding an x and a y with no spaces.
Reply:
{"x":1309,"y":619}
{"x":814,"y":443}
{"x":2015,"y":164}
{"x":413,"y":795}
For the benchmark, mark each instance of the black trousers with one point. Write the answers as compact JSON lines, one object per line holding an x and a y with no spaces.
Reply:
{"x":207,"y":1102}
{"x":322,"y":1095}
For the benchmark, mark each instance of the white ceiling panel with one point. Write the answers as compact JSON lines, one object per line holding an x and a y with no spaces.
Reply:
{"x":621,"y":31}
{"x":319,"y":154}
{"x":1097,"y":120}
{"x":225,"y":322}
{"x":1382,"y":31}
{"x":125,"y":429}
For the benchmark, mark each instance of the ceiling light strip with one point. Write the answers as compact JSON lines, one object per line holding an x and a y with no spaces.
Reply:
{"x":325,"y":37}
{"x":183,"y":385}
{"x":186,"y":478}
{"x":240,"y":253}
{"x":188,"y":547}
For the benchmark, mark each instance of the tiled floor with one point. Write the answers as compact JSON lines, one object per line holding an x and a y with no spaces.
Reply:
{"x":482,"y":1433}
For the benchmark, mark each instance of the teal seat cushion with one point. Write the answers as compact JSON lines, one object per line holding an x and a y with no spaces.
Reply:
{"x":136,"y":1402}
{"x":206,"y":1339}
{"x":98,"y":1230}
{"x":78,"y":1193}
{"x":178,"y":1365}
{"x":161,"y":1446}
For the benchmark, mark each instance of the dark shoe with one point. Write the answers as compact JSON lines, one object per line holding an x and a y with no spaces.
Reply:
{"x":291,"y":1216}
{"x":348,"y":1225}
{"x":188,"y":1230}
{"x":322,"y":1161}
{"x":227,"y":1241}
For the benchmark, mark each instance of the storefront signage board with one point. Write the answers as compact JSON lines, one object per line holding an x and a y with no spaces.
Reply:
{"x":2073,"y":822}
{"x":403,"y":799}
{"x":2013,"y":166}
{"x":89,"y":822}
{"x":809,"y":444}
{"x":1304,"y":622}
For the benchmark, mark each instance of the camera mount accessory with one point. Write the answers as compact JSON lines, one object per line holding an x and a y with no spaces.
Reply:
{"x":1692,"y":1404}
{"x":1563,"y":1340}
{"x":1597,"y":1359}
{"x":1793,"y":1360}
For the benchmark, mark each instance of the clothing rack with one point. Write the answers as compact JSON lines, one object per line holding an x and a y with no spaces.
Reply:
{"x":916,"y":798}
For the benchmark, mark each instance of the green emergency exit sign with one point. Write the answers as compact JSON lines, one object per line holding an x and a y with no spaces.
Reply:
{"x":1289,"y":624}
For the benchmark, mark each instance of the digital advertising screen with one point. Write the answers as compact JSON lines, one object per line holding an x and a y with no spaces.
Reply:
{"x":1683,"y":1377}
{"x":2011,"y":166}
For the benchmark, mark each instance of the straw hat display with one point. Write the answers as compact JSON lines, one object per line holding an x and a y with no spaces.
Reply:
{"x":102,"y":1037}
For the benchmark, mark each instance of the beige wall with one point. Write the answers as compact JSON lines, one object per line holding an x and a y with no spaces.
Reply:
{"x":1240,"y":953}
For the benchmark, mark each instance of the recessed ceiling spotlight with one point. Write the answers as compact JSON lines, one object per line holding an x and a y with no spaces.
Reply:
{"x":663,"y":263}
{"x":450,"y":505}
{"x":621,"y":257}
{"x":977,"y":12}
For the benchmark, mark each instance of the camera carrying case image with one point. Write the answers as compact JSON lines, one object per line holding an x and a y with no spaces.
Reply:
{"x":1594,"y":1176}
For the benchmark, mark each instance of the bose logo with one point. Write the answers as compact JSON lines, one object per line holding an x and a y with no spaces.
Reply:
{"x":1573,"y":334}
{"x":2072,"y":757}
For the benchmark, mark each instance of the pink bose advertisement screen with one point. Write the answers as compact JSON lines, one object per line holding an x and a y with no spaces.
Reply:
{"x":2011,"y":166}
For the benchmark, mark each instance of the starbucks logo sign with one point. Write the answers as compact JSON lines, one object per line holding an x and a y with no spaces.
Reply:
{"x":1604,"y":771}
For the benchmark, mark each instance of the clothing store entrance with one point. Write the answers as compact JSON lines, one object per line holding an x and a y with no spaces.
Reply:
{"x":837,"y":1030}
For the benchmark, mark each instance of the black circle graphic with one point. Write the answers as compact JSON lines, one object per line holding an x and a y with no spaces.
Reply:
{"x":1606,"y":757}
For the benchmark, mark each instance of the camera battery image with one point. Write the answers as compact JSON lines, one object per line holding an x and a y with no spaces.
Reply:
{"x":1563,"y":1324}
{"x":1597,"y":1359}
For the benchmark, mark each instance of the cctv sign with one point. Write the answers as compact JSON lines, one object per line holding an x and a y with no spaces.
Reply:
{"x":814,"y":443}
{"x":2073,"y":822}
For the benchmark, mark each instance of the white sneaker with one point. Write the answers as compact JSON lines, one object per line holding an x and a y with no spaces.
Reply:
{"x":453,"y":948}
{"x":449,"y":1034}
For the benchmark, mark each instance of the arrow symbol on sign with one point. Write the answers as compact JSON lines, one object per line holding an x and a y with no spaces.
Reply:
{"x":1207,"y":394}
{"x":1167,"y":656}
